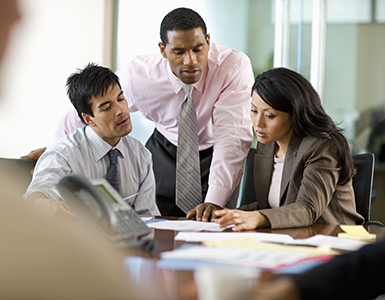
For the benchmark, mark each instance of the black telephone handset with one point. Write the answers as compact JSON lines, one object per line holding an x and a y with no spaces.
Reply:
{"x":97,"y":202}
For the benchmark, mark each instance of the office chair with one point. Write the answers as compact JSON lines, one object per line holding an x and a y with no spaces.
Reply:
{"x":363,"y":184}
{"x":248,"y":191}
{"x":20,"y":169}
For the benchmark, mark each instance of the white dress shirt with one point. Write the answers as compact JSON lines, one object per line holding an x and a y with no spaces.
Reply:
{"x":83,"y":152}
{"x":275,"y":187}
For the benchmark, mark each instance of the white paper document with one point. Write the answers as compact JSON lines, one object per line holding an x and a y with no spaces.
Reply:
{"x":213,"y":236}
{"x":333,"y":241}
{"x":185,"y":225}
{"x":318,"y":240}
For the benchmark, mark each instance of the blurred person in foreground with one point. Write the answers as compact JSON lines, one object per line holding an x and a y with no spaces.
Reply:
{"x":45,"y":259}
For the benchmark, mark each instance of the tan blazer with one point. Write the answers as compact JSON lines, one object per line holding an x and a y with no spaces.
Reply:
{"x":309,"y":190}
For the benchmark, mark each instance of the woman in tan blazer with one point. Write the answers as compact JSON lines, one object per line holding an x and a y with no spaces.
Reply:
{"x":303,"y":166}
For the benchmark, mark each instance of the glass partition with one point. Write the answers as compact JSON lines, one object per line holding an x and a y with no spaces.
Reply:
{"x":351,"y":60}
{"x":351,"y":69}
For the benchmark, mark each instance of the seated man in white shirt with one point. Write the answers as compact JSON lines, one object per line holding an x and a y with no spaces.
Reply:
{"x":98,"y":99}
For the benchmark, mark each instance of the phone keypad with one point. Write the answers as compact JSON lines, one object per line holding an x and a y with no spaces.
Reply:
{"x":129,"y":223}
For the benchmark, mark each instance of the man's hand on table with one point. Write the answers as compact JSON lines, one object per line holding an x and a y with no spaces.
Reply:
{"x":203,"y":212}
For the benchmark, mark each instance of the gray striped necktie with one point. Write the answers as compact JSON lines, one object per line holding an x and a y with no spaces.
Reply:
{"x":188,"y":175}
{"x":112,"y":171}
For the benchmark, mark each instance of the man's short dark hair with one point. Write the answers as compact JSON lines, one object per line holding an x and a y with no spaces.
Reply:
{"x":93,"y":80}
{"x":181,"y":19}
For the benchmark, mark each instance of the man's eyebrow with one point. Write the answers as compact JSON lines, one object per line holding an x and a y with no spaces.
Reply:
{"x":109,"y":101}
{"x":103,"y":103}
{"x":182,"y":49}
{"x":199,"y":45}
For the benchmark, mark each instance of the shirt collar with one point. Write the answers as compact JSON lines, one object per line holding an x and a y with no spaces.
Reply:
{"x":100,"y":147}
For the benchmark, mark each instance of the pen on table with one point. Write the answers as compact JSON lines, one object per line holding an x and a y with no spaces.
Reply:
{"x":129,"y":197}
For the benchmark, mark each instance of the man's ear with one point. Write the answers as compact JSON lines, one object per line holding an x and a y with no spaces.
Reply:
{"x":208,"y":39}
{"x":88,"y":119}
{"x":162,"y":49}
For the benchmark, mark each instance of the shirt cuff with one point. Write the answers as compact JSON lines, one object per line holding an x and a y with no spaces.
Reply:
{"x":218,"y":195}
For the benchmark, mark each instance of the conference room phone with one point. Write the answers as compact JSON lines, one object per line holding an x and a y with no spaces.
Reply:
{"x":96,"y":202}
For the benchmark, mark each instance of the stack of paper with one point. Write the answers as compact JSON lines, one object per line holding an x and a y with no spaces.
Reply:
{"x":243,"y":251}
{"x":266,"y":251}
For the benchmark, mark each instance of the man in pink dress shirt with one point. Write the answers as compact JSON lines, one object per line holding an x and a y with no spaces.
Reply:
{"x":222,"y":79}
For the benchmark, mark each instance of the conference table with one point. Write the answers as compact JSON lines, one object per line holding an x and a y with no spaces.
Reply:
{"x":158,"y":283}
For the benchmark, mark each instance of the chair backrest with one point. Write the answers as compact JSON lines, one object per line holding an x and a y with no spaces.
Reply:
{"x":363,"y":183}
{"x":248,"y":191}
{"x":20,"y":169}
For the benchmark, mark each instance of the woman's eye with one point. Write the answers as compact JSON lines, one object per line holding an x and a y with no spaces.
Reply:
{"x":270,"y":116}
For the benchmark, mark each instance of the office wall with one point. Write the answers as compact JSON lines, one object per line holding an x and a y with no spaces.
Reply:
{"x":341,"y":75}
{"x":260,"y":32}
{"x":53,"y":39}
{"x":371,"y":66}
{"x":354,"y":75}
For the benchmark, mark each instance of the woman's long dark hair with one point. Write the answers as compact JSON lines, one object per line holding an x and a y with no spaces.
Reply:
{"x":288,"y":91}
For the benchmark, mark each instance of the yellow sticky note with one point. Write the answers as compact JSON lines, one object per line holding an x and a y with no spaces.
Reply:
{"x":356,"y":232}
{"x":354,"y":229}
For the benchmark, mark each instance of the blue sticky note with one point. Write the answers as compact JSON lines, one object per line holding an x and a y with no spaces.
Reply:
{"x":154,"y":221}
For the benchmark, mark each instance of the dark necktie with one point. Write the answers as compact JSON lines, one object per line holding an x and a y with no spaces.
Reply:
{"x":112,"y":171}
{"x":188,"y":176}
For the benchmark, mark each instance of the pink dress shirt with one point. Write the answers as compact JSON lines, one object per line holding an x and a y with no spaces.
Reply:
{"x":222,"y":101}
